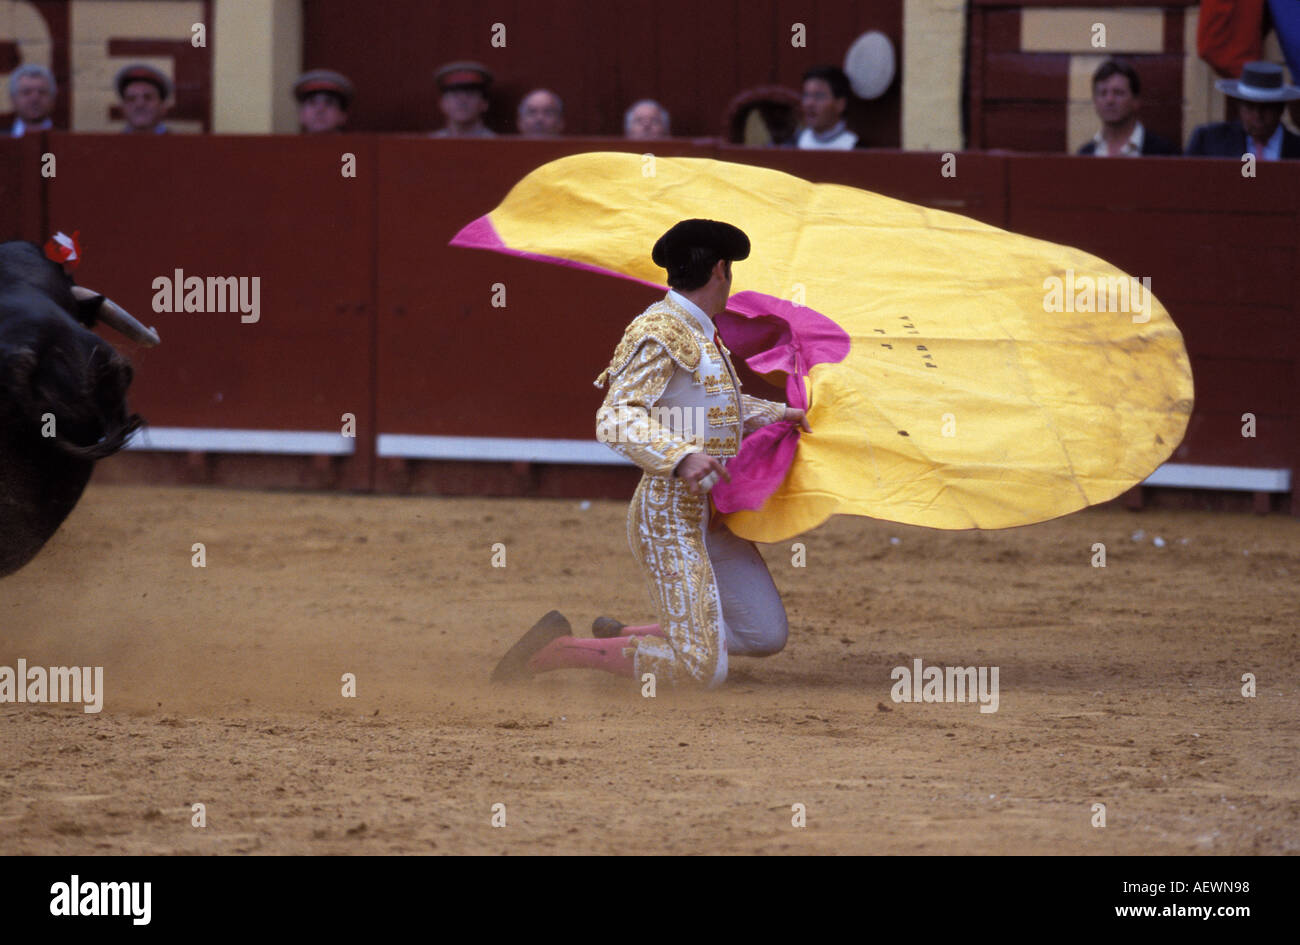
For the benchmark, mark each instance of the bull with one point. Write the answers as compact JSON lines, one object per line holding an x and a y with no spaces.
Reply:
{"x":62,"y":396}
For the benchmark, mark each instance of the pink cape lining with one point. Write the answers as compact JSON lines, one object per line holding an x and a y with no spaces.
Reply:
{"x":481,"y":234}
{"x":772,"y":336}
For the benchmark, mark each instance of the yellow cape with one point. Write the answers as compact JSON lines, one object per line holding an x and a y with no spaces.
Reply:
{"x":992,"y":379}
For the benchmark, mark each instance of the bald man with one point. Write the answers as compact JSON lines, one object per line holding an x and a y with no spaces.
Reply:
{"x":541,"y":114}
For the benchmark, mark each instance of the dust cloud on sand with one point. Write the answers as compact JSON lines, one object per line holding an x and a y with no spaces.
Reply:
{"x":1119,"y":686}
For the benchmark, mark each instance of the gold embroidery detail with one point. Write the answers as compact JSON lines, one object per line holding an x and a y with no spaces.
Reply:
{"x":628,"y":422}
{"x":714,"y":383}
{"x":722,"y":416}
{"x":660,"y":324}
{"x":665,"y":530}
{"x":760,"y":412}
{"x":717,"y":446}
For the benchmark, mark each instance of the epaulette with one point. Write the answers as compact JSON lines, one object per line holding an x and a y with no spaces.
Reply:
{"x":657,"y":323}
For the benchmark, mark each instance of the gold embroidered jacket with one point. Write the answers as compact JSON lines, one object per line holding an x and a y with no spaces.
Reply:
{"x":673,"y":392}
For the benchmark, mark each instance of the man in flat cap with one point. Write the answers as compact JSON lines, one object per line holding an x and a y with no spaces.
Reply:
{"x":1261,"y":94}
{"x":32,"y":89}
{"x":324,"y":97}
{"x":146,"y":95}
{"x":675,"y":409}
{"x":464,"y":100}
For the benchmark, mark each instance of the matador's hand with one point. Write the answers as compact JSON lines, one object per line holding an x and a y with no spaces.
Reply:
{"x":795,"y":415}
{"x":696,"y":469}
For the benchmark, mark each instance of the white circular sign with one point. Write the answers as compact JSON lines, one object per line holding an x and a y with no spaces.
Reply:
{"x":869,"y":64}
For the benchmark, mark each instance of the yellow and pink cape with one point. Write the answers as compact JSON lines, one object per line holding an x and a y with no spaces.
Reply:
{"x":956,"y":375}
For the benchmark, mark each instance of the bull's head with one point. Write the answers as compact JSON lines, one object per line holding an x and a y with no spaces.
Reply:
{"x":62,"y":395}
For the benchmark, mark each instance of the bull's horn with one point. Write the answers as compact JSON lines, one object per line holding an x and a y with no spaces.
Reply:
{"x":113,"y":315}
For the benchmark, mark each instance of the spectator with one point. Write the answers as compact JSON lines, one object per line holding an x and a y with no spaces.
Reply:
{"x":32,"y":89}
{"x":464,"y":100}
{"x":324,"y":97}
{"x":146,"y":96}
{"x":1115,"y":94}
{"x":825,"y":96}
{"x":541,"y":113}
{"x":1261,"y":96}
{"x":646,"y":120}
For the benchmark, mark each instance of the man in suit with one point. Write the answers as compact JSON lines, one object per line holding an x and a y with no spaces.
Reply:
{"x":32,"y":89}
{"x":1115,"y":95}
{"x":1261,"y":96}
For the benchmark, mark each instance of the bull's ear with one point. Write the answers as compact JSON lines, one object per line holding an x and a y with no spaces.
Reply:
{"x":88,"y":309}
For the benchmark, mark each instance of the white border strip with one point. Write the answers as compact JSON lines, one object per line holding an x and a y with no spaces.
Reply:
{"x":203,"y":440}
{"x":578,"y":452}
{"x":1239,"y":478}
{"x":497,"y":449}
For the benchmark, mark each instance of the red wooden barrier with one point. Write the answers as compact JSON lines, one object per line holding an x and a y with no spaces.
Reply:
{"x":22,"y":188}
{"x":1221,"y":252}
{"x":275,"y":210}
{"x":365,"y":309}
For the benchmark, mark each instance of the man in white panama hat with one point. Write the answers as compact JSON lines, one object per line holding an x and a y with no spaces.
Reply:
{"x":1261,"y":94}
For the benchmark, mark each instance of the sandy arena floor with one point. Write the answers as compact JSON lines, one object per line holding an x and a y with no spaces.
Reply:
{"x":1118,"y":686}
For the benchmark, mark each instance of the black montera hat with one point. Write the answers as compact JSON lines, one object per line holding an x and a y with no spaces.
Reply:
{"x":674,"y":247}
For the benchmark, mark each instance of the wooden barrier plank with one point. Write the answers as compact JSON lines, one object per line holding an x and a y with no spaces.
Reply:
{"x":449,"y":362}
{"x":1181,"y":184}
{"x":365,"y":309}
{"x":978,"y":190}
{"x":1037,"y":127}
{"x":1225,"y":330}
{"x":22,"y":188}
{"x":1214,"y":437}
{"x":272,"y":209}
{"x":1027,"y":77}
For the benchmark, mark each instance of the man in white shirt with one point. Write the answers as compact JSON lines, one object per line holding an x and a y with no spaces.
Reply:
{"x":1116,"y":94}
{"x":32,"y":89}
{"x":825,"y":96}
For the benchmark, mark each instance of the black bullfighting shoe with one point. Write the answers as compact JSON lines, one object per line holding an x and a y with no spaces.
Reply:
{"x":514,"y":665}
{"x":602,"y":628}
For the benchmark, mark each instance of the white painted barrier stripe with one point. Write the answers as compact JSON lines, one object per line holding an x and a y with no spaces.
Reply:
{"x":204,"y":440}
{"x":1241,"y":478}
{"x":580,"y":452}
{"x":498,"y":449}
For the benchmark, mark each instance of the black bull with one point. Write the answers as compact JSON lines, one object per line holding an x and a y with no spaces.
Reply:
{"x":62,"y":396}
